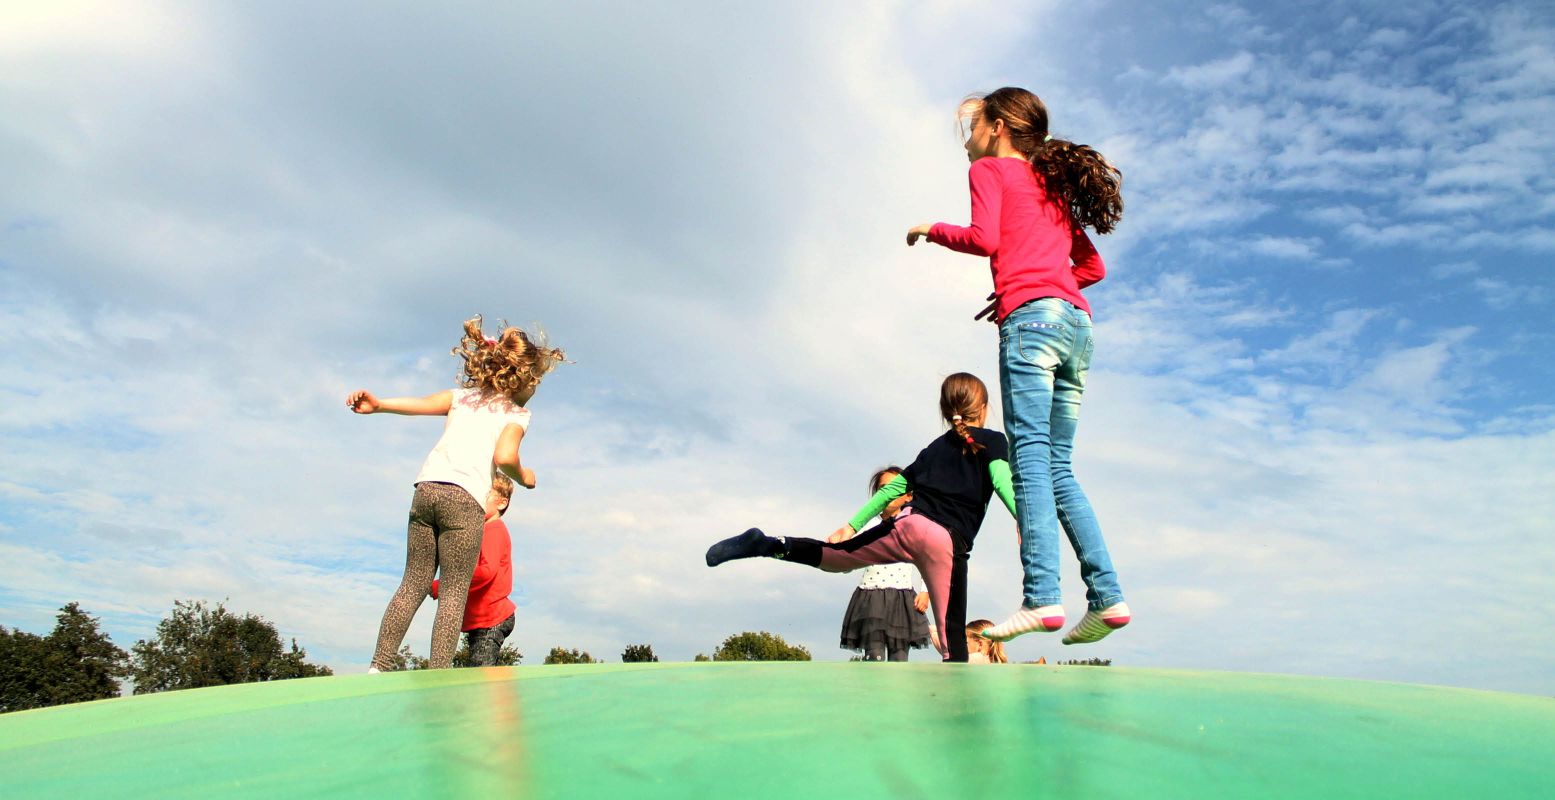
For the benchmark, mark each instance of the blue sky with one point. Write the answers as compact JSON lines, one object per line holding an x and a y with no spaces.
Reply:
{"x":1320,"y":432}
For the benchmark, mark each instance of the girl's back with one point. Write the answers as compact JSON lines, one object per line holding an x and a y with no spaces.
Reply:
{"x":463,"y":453}
{"x":953,"y":487}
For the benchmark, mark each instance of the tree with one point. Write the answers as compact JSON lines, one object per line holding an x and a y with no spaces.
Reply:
{"x":638,"y":654}
{"x":762,"y":646}
{"x":200,"y":646}
{"x":701,"y":657}
{"x":574,"y":656}
{"x":405,"y":659}
{"x":74,"y":663}
{"x":1089,"y":662}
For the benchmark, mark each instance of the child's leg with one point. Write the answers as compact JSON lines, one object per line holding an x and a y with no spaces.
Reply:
{"x":1074,"y":509}
{"x":934,"y":554}
{"x":955,"y":607}
{"x":1033,"y":341}
{"x":881,"y":544}
{"x":420,"y":566}
{"x":459,"y":521}
{"x":486,"y":643}
{"x":872,"y":546}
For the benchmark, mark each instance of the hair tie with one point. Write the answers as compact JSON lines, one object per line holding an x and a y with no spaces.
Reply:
{"x":487,"y":341}
{"x":1047,"y":138}
{"x":956,"y":418}
{"x":969,"y":439}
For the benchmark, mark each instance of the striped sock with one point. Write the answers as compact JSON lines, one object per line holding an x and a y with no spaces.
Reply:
{"x":1027,"y":620}
{"x":1095,"y":625}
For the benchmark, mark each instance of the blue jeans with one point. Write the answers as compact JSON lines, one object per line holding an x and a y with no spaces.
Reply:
{"x":1044,"y":353}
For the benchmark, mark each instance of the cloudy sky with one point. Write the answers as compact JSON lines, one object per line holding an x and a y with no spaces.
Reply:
{"x":1320,"y":430}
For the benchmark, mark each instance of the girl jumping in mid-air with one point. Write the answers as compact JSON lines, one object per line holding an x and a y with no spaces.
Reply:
{"x":951,"y":482}
{"x":486,"y":423}
{"x":1033,"y":196}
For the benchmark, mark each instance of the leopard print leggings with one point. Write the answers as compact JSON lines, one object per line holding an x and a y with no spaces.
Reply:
{"x":445,"y":533}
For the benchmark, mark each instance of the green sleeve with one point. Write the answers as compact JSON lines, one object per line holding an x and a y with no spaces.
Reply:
{"x":896,"y":488}
{"x":999,"y":472}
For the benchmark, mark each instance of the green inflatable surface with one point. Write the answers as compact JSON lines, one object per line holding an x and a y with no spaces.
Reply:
{"x":790,"y":730}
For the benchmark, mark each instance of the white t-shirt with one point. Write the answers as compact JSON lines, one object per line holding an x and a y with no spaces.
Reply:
{"x":888,"y":576}
{"x":462,"y":456}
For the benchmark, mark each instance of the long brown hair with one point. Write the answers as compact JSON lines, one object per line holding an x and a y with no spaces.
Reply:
{"x":960,"y":396}
{"x":510,"y":365}
{"x":1075,"y":175}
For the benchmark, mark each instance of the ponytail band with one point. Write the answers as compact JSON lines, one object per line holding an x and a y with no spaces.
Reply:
{"x":956,"y":418}
{"x":1047,"y":138}
{"x":969,"y":439}
{"x":487,"y":341}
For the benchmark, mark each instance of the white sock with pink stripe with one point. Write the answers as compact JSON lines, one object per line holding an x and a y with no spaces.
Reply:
{"x":1095,"y":625}
{"x":1027,"y":620}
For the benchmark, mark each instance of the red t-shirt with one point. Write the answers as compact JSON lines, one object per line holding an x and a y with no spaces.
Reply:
{"x":1028,"y":237}
{"x":493,"y":581}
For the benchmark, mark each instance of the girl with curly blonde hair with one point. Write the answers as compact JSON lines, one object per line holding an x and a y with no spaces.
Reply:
{"x":486,"y":421}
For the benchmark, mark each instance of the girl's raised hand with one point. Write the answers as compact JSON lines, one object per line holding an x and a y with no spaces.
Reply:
{"x":362,"y":402}
{"x":842,"y":534}
{"x":917,"y":232}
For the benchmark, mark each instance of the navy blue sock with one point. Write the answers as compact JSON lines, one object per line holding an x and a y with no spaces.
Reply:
{"x":750,"y":544}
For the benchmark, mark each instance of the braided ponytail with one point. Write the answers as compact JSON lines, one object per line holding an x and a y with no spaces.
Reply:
{"x":961,"y":397}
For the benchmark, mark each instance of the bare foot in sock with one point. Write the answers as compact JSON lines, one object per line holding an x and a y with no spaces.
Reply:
{"x":1095,"y":625}
{"x":750,"y":544}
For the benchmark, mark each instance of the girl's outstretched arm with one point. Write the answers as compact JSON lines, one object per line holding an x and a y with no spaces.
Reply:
{"x":505,"y":457}
{"x":877,"y":503}
{"x":981,"y":238}
{"x":433,"y":405}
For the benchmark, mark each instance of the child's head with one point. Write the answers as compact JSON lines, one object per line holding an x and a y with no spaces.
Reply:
{"x":510,"y":365}
{"x":1081,"y":178}
{"x":977,"y":644}
{"x":963,"y":402}
{"x":883,"y":476}
{"x":500,"y":495}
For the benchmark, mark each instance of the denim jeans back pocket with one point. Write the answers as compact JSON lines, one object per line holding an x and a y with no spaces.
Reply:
{"x":1044,"y":344}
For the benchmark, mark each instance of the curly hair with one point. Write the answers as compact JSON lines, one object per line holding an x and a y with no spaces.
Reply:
{"x":960,"y":397}
{"x":510,"y":365}
{"x":1076,"y":175}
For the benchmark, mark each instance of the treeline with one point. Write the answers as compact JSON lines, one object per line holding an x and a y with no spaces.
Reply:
{"x":747,"y":646}
{"x":203,"y":645}
{"x":195,"y":646}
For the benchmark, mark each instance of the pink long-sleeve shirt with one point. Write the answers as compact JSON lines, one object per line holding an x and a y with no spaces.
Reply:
{"x":1033,"y":247}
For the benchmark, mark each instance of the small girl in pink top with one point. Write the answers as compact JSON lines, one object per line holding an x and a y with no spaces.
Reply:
{"x":486,"y":422}
{"x":1033,"y":196}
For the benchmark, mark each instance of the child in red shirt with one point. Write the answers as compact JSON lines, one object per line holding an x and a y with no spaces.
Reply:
{"x":489,"y":614}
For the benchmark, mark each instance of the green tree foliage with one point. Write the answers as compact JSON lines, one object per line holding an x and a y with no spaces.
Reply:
{"x":560,"y":656}
{"x":638,"y":654}
{"x":74,"y":663}
{"x":405,"y":659}
{"x":762,"y":646}
{"x":1088,"y":662}
{"x":701,"y":657}
{"x":201,"y":646}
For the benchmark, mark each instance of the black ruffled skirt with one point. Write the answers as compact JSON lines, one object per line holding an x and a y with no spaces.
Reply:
{"x":884,"y":618}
